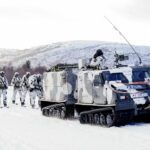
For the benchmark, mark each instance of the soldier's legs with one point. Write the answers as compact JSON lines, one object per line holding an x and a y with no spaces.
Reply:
{"x":14,"y":95}
{"x":39,"y":95}
{"x":20,"y":94}
{"x":32,"y":98}
{"x":1,"y":105}
{"x":24,"y":93}
{"x":4,"y":92}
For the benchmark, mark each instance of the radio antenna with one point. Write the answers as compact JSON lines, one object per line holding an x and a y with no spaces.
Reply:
{"x":140,"y":61}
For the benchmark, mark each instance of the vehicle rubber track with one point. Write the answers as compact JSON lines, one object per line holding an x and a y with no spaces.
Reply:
{"x":55,"y":110}
{"x":106,"y":117}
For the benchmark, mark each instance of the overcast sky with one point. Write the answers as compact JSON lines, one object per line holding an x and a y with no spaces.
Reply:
{"x":27,"y":23}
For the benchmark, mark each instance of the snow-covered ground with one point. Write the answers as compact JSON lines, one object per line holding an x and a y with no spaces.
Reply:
{"x":26,"y":129}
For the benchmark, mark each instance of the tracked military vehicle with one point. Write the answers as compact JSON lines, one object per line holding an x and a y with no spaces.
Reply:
{"x":112,"y":96}
{"x":59,"y":87}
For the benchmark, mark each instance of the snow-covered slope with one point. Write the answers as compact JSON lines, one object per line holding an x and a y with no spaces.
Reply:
{"x":69,"y":52}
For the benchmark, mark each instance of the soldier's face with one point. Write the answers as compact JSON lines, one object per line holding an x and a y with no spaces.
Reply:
{"x":38,"y":78}
{"x":2,"y":74}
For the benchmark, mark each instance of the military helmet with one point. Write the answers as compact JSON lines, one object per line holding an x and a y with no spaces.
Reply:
{"x":39,"y":75}
{"x":98,"y":53}
{"x":16,"y":73}
{"x":28,"y":74}
{"x":2,"y":73}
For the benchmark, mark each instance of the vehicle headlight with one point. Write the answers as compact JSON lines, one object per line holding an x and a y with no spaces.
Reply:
{"x":124,"y":97}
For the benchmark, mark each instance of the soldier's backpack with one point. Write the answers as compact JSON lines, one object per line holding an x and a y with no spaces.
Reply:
{"x":2,"y":83}
{"x":17,"y":82}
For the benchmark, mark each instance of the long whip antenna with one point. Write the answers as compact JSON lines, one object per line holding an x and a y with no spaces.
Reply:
{"x":140,"y":61}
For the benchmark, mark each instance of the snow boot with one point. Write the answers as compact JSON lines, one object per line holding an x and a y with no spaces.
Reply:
{"x":22,"y":103}
{"x":33,"y":106}
{"x":13,"y":101}
{"x":5,"y":105}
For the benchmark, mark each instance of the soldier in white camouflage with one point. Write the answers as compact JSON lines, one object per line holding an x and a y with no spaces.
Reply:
{"x":3,"y":89}
{"x":98,"y":60}
{"x":16,"y":83}
{"x":25,"y":87}
{"x":36,"y":88}
{"x":39,"y":87}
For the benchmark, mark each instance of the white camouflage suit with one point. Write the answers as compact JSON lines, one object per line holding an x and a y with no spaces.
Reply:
{"x":16,"y":83}
{"x":3,"y":89}
{"x":36,"y":88}
{"x":25,"y":86}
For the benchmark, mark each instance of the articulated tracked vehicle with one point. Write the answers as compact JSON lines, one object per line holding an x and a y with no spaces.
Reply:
{"x":96,"y":94}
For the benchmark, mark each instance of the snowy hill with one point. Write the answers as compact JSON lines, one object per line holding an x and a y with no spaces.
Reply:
{"x":69,"y":52}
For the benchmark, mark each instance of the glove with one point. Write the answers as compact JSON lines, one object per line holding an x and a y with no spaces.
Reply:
{"x":31,"y":89}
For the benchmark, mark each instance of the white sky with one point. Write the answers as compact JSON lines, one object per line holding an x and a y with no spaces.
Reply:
{"x":27,"y":23}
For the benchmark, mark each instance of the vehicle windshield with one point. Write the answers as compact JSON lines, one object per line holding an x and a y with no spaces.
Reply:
{"x":118,"y":77}
{"x":140,"y":75}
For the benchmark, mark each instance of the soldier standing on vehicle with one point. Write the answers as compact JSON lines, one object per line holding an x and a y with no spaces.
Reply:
{"x":36,"y":88}
{"x":3,"y":89}
{"x":98,"y":60}
{"x":25,"y":87}
{"x":16,"y":83}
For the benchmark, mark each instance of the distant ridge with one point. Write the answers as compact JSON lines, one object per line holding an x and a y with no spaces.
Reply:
{"x":68,"y":52}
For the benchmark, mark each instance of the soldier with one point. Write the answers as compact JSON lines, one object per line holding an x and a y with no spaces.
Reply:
{"x":98,"y":60}
{"x":3,"y":88}
{"x":39,"y":87}
{"x":36,"y":88}
{"x":16,"y":83}
{"x":25,"y":87}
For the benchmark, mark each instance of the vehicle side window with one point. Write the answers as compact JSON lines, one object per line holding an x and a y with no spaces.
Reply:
{"x":97,"y":80}
{"x":138,"y":76}
{"x":105,"y":76}
{"x":122,"y":78}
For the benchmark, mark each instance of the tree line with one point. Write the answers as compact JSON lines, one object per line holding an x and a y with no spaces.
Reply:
{"x":10,"y":70}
